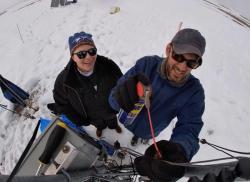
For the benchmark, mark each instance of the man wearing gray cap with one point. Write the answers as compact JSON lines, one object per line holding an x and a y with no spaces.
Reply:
{"x":176,"y":93}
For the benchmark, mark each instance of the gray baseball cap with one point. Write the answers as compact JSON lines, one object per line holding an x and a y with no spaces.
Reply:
{"x":189,"y":41}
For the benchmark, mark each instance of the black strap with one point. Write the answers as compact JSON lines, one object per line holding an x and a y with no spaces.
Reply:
{"x":15,"y":170}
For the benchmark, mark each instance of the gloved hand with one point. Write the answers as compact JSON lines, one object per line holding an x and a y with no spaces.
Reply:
{"x":52,"y":108}
{"x":126,"y":93}
{"x":170,"y":151}
{"x":160,"y":170}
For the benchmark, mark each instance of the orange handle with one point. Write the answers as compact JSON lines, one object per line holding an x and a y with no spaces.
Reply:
{"x":140,"y":89}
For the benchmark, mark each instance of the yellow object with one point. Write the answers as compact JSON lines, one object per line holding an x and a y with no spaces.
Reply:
{"x":63,"y":125}
{"x":114,"y":10}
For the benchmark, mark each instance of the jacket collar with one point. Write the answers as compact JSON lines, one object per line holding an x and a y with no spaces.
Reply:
{"x":70,"y":76}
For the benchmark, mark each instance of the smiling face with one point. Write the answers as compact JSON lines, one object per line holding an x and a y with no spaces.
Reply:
{"x":87,"y":63}
{"x":177,"y":71}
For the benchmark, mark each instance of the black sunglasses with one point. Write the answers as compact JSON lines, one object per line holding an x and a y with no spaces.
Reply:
{"x":193,"y":64}
{"x":83,"y":54}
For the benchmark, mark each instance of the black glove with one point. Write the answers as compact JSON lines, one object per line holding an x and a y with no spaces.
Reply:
{"x":126,"y":93}
{"x":170,"y":151}
{"x":160,"y":170}
{"x":52,"y":108}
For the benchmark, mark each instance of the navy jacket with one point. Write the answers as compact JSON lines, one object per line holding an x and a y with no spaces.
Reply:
{"x":168,"y":101}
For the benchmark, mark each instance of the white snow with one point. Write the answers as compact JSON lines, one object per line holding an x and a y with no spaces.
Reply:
{"x":34,"y":50}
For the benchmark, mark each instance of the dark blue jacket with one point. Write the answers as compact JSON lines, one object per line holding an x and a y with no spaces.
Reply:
{"x":185,"y":102}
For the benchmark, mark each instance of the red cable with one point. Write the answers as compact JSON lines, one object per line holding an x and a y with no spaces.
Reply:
{"x":158,"y":153}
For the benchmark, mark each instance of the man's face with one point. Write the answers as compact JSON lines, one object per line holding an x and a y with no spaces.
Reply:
{"x":177,"y":71}
{"x":85,"y":60}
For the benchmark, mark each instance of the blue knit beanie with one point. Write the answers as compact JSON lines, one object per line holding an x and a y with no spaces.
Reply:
{"x":80,"y":38}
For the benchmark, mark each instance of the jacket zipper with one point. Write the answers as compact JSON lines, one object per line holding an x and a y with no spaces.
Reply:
{"x":78,"y":96}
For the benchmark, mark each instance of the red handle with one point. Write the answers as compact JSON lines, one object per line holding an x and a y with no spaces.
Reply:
{"x":140,"y":89}
{"x":141,"y":93}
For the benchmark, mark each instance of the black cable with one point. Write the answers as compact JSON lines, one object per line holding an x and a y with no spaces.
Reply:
{"x":221,"y":151}
{"x":203,"y":141}
{"x":26,"y":150}
{"x":29,"y":116}
{"x":214,"y":160}
{"x":66,"y":175}
{"x":133,"y":167}
{"x":131,"y":151}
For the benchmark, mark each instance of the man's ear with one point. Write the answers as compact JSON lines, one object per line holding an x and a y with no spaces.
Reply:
{"x":168,"y":49}
{"x":72,"y":59}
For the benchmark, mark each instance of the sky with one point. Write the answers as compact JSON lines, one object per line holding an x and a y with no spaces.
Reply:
{"x":34,"y":50}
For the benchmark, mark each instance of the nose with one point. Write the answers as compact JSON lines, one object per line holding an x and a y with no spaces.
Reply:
{"x":88,"y":56}
{"x":182,"y":66}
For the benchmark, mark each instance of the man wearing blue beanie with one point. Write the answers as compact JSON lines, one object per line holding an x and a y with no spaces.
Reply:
{"x":81,"y":90}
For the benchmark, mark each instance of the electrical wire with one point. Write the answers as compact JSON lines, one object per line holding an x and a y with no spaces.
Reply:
{"x":158,"y":153}
{"x":204,"y":141}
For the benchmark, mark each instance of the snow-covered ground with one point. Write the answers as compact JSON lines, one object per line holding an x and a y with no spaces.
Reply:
{"x":241,"y":6}
{"x":34,"y":50}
